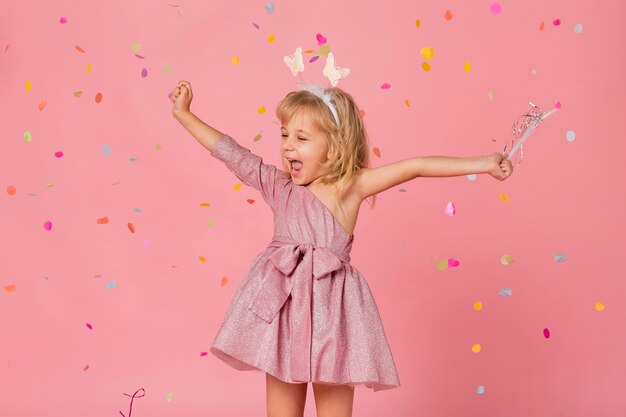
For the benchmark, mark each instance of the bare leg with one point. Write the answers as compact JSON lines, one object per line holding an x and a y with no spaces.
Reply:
{"x":284,"y":399}
{"x":333,"y":400}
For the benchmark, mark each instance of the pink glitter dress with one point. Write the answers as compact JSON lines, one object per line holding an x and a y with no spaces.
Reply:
{"x":301,"y":313}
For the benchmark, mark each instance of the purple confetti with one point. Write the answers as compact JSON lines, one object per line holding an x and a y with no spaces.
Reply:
{"x":144,"y":73}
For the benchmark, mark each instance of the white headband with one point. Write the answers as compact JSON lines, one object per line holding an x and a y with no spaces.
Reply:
{"x":326,"y":97}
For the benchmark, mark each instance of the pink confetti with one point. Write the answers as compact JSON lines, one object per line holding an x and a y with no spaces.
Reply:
{"x":546,"y":333}
{"x":315,"y":58}
{"x":385,"y":86}
{"x":47,"y":225}
{"x":321,"y":40}
{"x":450,"y":209}
{"x":556,"y":22}
{"x":58,"y":154}
{"x":203,"y":353}
{"x":255,"y":25}
{"x":495,"y":8}
{"x":557,"y":104}
{"x":453,"y":263}
{"x":89,"y":326}
{"x":144,"y":73}
{"x":63,"y":20}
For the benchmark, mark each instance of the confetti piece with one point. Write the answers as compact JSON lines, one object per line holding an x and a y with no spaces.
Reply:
{"x":504,"y":198}
{"x":250,"y":201}
{"x":86,"y":367}
{"x":106,"y":150}
{"x":315,"y":58}
{"x":98,"y":98}
{"x":111,"y":285}
{"x":450,"y":209}
{"x":376,"y":152}
{"x":495,"y":8}
{"x":88,"y":68}
{"x":205,"y":205}
{"x":27,"y":136}
{"x":269,"y":7}
{"x":89,"y":326}
{"x":402,"y":190}
{"x":9,"y":288}
{"x":427,"y":52}
{"x":257,"y":137}
{"x":324,"y":50}
{"x":578,"y":28}
{"x":476,"y":348}
{"x":546,"y":333}
{"x":63,"y":20}
{"x":261,"y":110}
{"x":158,"y":146}
{"x":11,"y":190}
{"x":506,"y":292}
{"x":442,"y":264}
{"x":490,"y":95}
{"x":169,"y":396}
{"x":102,"y":220}
{"x":453,"y":263}
{"x":506,"y":259}
{"x":255,"y":25}
{"x":557,"y":104}
{"x":560,"y":257}
{"x":556,"y":22}
{"x":42,"y":104}
{"x":271,"y":38}
{"x":146,"y":244}
{"x":167,"y":69}
{"x":203,"y":353}
{"x":78,"y":93}
{"x":541,"y":26}
{"x":131,"y":227}
{"x":29,"y":85}
{"x":235,"y":60}
{"x":321,"y":40}
{"x":140,"y":56}
{"x":137,"y":210}
{"x":478,"y":306}
{"x":47,"y":225}
{"x":448,"y":15}
{"x":79,"y":49}
{"x":58,"y":154}
{"x":480,"y":389}
{"x":237,"y":187}
{"x":385,"y":86}
{"x":467,"y":67}
{"x":407,"y":103}
{"x":472,"y":177}
{"x":144,"y":73}
{"x":599,"y":306}
{"x":136,"y":47}
{"x":223,"y":281}
{"x":418,"y":23}
{"x":210,"y":223}
{"x":202,"y":258}
{"x":6,"y":48}
{"x":426,"y":66}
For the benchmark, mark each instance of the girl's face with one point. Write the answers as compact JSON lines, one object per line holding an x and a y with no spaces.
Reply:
{"x":303,"y":148}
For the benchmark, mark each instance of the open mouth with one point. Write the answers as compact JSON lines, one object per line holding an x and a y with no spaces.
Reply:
{"x":295,"y":165}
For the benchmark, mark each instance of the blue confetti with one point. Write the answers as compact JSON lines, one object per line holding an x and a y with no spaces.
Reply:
{"x":132,"y":158}
{"x":137,"y":210}
{"x":269,"y":6}
{"x":471,"y":177}
{"x":506,"y":292}
{"x":578,"y":28}
{"x":402,"y":190}
{"x":560,"y":257}
{"x":480,"y":390}
{"x":570,"y":135}
{"x":106,"y":150}
{"x":111,"y":284}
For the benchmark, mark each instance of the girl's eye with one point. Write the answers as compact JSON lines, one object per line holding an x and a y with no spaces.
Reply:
{"x":302,"y":138}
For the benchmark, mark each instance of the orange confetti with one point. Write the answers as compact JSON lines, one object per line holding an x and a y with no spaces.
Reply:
{"x":541,"y":26}
{"x":205,"y":205}
{"x":131,"y":227}
{"x":407,"y":102}
{"x":426,"y":66}
{"x":11,"y":190}
{"x":79,"y":49}
{"x":202,"y":258}
{"x":9,"y":288}
{"x":250,"y":201}
{"x":42,"y":104}
{"x":448,"y":15}
{"x":102,"y":220}
{"x":237,"y":187}
{"x":86,"y":367}
{"x":504,"y":198}
{"x":376,"y":152}
{"x":309,"y":51}
{"x":224,"y":281}
{"x":98,"y":97}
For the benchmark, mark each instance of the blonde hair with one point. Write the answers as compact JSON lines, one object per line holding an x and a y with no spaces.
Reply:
{"x":347,"y":141}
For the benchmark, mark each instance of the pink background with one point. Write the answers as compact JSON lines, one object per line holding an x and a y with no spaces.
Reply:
{"x":154,"y":306}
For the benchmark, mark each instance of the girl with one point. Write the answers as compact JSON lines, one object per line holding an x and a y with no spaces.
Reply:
{"x":302,"y":313}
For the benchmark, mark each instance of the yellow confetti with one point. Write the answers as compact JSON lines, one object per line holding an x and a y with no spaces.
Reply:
{"x":426,"y":66}
{"x":407,"y":102}
{"x":88,"y":68}
{"x":599,"y":306}
{"x":418,"y":23}
{"x":427,"y":52}
{"x":205,"y":205}
{"x":210,"y":223}
{"x":29,"y":85}
{"x":136,"y":47}
{"x":27,"y":136}
{"x":442,"y":265}
{"x":467,"y":67}
{"x":78,"y":93}
{"x":490,"y":95}
{"x":158,"y":147}
{"x":202,"y":258}
{"x":235,"y":60}
{"x":506,"y":259}
{"x":324,"y":50}
{"x":476,"y":348}
{"x":237,"y":187}
{"x":167,"y":69}
{"x":478,"y":306}
{"x":257,"y":138}
{"x":504,"y":198}
{"x":271,"y":38}
{"x":261,"y":110}
{"x":170,"y":396}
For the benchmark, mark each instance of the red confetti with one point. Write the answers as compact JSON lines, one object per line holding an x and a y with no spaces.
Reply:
{"x":224,"y":281}
{"x":98,"y":97}
{"x":86,"y":367}
{"x":376,"y":152}
{"x":102,"y":220}
{"x":131,"y":227}
{"x":9,"y":288}
{"x":11,"y":190}
{"x":250,"y":201}
{"x":42,"y":104}
{"x":541,"y":26}
{"x":79,"y":49}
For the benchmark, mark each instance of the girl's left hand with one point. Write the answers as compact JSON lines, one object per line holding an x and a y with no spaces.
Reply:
{"x":501,"y":167}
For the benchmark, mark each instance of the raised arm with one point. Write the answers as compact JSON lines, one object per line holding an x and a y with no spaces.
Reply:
{"x":372,"y":181}
{"x":205,"y":134}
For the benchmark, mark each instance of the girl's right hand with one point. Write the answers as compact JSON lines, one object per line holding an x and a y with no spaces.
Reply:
{"x":181,"y":97}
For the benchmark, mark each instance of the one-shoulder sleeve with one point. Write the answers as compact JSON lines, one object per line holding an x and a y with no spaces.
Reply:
{"x":248,"y":167}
